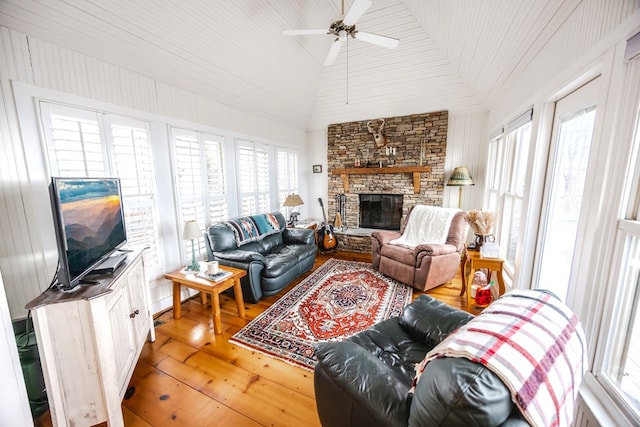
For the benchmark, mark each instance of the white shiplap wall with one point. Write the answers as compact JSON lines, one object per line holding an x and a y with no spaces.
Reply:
{"x":27,"y":257}
{"x":462,"y":56}
{"x":369,"y":82}
{"x":583,"y":32}
{"x":467,"y":146}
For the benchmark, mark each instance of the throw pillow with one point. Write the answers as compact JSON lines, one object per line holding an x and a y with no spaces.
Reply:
{"x":244,"y":230}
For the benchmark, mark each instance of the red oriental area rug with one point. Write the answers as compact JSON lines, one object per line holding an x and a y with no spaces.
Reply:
{"x":339,"y":299}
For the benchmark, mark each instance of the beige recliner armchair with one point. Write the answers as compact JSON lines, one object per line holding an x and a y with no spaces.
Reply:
{"x":428,"y":264}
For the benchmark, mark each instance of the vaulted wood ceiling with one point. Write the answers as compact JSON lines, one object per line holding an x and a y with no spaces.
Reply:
{"x":458,"y":55}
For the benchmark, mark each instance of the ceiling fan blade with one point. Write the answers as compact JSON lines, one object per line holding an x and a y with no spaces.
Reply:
{"x":333,"y":53}
{"x":383,"y":41}
{"x":358,"y":8}
{"x":303,"y":32}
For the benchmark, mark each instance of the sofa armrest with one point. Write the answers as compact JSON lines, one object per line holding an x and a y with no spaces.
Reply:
{"x":240,"y":256}
{"x":383,"y":237}
{"x":454,"y":391}
{"x":298,"y":235}
{"x":350,"y":378}
{"x":434,"y":249}
{"x":430,"y":320}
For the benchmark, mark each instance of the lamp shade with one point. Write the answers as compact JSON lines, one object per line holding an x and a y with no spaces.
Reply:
{"x":191,"y":230}
{"x":460,"y":177}
{"x":293,"y":200}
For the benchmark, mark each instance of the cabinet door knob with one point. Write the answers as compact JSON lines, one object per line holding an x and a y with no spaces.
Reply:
{"x":134,"y":314}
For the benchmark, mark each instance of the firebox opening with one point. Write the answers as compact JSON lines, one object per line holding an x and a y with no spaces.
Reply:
{"x":383,"y":211}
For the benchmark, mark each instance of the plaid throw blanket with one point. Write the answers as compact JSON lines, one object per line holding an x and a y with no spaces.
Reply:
{"x":534,"y":344}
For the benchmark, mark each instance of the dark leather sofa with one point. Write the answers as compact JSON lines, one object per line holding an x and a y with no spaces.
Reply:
{"x":272,"y":260}
{"x":365,"y":380}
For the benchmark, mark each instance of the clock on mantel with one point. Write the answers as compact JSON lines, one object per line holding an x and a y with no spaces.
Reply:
{"x":414,"y":170}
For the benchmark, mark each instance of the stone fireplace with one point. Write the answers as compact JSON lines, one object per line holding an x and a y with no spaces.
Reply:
{"x":415,"y":174}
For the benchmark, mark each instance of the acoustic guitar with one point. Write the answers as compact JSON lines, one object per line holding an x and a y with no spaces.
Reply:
{"x":327,"y":241}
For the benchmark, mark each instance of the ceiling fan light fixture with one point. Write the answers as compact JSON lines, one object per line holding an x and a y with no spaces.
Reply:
{"x":344,"y":28}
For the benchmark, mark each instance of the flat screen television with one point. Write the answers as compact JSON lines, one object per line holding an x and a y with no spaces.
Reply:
{"x":89,"y":223}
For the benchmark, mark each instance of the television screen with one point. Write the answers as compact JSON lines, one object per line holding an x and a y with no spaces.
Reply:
{"x":89,"y":222}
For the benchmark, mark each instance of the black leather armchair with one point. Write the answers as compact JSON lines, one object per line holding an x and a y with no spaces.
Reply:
{"x":271,"y":262}
{"x":365,"y":380}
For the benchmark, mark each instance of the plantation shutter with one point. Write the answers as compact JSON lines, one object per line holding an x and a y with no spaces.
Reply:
{"x":216,"y":185}
{"x":254,"y":177}
{"x":83,"y":143}
{"x":246,"y":167}
{"x":134,"y":167}
{"x":74,"y":141}
{"x":263,"y":179}
{"x":189,"y":168}
{"x":287,"y":174}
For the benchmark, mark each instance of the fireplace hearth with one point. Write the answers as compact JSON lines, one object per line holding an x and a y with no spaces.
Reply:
{"x":382,"y":211}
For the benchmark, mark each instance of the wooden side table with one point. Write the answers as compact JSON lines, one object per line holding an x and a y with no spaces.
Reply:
{"x":477,"y":262}
{"x":205,"y":286}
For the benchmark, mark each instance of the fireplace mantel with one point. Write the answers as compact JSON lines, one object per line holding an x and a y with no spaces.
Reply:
{"x":415,"y":170}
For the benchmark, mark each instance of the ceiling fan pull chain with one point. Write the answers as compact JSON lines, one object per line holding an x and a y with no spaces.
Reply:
{"x":347,"y":70}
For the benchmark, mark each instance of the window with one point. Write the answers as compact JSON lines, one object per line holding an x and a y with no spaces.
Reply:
{"x":254,"y":177}
{"x":571,"y":146}
{"x":199,"y":181}
{"x":619,"y":369}
{"x":508,"y":155}
{"x":287,"y":166}
{"x":84,"y":143}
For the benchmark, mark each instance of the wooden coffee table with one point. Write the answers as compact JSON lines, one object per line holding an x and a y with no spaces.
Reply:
{"x":205,"y":286}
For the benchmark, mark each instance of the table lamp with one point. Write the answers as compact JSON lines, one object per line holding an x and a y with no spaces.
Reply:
{"x":460,"y":177}
{"x":292,"y":201}
{"x":191,"y":232}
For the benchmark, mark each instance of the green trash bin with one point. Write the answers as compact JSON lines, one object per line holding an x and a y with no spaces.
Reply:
{"x":31,"y":367}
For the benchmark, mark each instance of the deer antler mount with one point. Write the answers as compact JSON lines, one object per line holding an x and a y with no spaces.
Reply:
{"x":375,"y":127}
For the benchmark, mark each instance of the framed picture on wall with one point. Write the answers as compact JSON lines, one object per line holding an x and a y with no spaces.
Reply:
{"x":317,"y":168}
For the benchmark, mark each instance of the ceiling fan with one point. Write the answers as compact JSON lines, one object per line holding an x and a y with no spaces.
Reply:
{"x":346,"y":27}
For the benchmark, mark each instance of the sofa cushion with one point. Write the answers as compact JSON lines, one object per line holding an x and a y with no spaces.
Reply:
{"x":399,"y":253}
{"x":271,"y":242}
{"x":296,"y":250}
{"x":278,"y":263}
{"x":393,"y":346}
{"x":220,"y":238}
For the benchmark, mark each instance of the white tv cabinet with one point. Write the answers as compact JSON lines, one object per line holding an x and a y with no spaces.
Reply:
{"x":89,"y":340}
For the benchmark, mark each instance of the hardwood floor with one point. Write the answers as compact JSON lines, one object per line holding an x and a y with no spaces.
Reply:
{"x":191,"y":377}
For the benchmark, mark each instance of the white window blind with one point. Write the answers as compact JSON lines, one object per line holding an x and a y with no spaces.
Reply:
{"x":74,"y":141}
{"x":216,"y":185}
{"x":254,"y":177}
{"x":200,"y":181}
{"x":83,"y":143}
{"x":134,"y":167}
{"x":287,"y":174}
